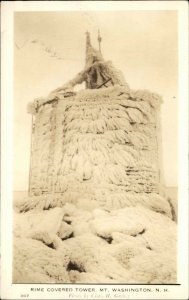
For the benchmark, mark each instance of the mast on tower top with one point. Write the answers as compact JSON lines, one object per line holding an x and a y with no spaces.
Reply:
{"x":88,"y":39}
{"x":99,"y":40}
{"x":92,"y":55}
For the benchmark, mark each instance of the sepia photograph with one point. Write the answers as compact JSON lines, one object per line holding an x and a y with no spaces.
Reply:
{"x":95,"y":152}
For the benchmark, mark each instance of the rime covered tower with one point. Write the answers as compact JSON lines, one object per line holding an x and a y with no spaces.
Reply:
{"x":101,"y":144}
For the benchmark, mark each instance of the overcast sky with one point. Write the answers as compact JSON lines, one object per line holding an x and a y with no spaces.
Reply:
{"x":143,"y":44}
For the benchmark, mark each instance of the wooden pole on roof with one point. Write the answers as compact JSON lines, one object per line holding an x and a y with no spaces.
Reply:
{"x":99,"y":40}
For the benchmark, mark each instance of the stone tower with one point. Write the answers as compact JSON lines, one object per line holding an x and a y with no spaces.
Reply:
{"x":101,"y":143}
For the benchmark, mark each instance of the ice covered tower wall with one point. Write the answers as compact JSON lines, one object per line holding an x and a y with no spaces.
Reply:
{"x":99,"y":144}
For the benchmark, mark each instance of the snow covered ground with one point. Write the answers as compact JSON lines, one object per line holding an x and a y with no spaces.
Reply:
{"x":82,"y":244}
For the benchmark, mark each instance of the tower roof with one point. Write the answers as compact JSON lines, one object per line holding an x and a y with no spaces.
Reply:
{"x":97,"y":72}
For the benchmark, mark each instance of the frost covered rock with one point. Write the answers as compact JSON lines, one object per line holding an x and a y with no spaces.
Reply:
{"x":136,"y":225}
{"x":87,"y":204}
{"x":121,"y":246}
{"x":80,"y":222}
{"x":69,"y":209}
{"x":34,"y":262}
{"x":40,"y":225}
{"x":153,"y":268}
{"x":104,"y":226}
{"x":65,"y":231}
{"x":90,"y":258}
{"x":100,"y":213}
{"x":51,"y":240}
{"x":125,"y":246}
